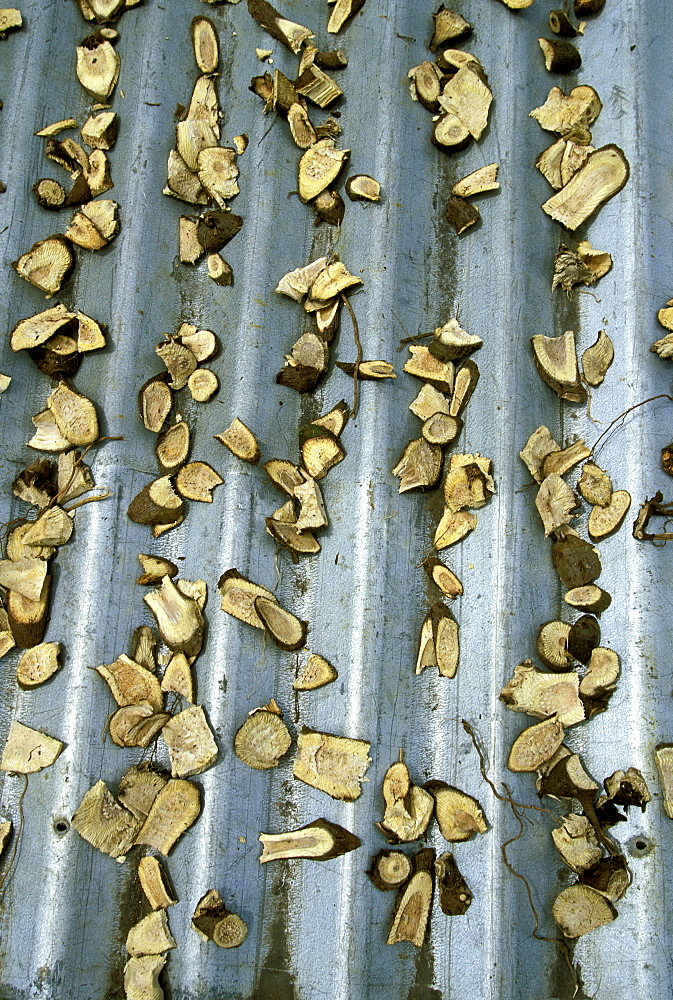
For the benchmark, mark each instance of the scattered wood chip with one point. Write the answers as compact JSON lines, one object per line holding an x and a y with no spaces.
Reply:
{"x":413,"y":902}
{"x":458,"y":814}
{"x":597,"y":359}
{"x":213,"y":922}
{"x":154,"y":883}
{"x":663,"y":758}
{"x":577,"y":843}
{"x":332,"y":764}
{"x":47,"y":264}
{"x":104,"y":823}
{"x":25,"y":576}
{"x":580,"y":909}
{"x":535,"y":745}
{"x":240,"y":440}
{"x":478,"y":182}
{"x":319,"y":840}
{"x":27,"y":750}
{"x":583,"y":266}
{"x":544,"y":694}
{"x":141,"y":977}
{"x":97,"y":66}
{"x":316,"y":672}
{"x":602,"y":176}
{"x":461,"y":213}
{"x":408,"y":807}
{"x":576,"y":561}
{"x":178,"y":618}
{"x":238,"y":595}
{"x":389,"y":870}
{"x":157,"y":503}
{"x":174,"y":810}
{"x":448,"y":26}
{"x":131,"y":684}
{"x":38,"y":664}
{"x":263,"y":739}
{"x":560,"y":55}
{"x":10,"y":20}
{"x":289,"y":33}
{"x":319,"y":167}
{"x":419,"y":466}
{"x":467,"y":96}
{"x":453,"y":527}
{"x":604,"y":521}
{"x":439,"y":644}
{"x":285,"y":630}
{"x":320,"y":450}
{"x":196,"y":480}
{"x":556,"y":361}
{"x":191,"y":746}
{"x":565,"y":114}
{"x":424,"y":365}
{"x":362,"y":187}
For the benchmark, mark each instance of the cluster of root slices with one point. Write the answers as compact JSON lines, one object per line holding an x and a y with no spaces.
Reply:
{"x":161,"y":503}
{"x":408,"y":811}
{"x":322,"y":287}
{"x":454,"y":89}
{"x":321,"y":162}
{"x":449,"y":378}
{"x":200,"y":170}
{"x":583,"y":178}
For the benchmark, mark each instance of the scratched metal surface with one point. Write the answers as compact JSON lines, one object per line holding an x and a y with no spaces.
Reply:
{"x":319,"y":930}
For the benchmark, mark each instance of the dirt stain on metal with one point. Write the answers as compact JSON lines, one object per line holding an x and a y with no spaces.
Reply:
{"x":422,"y":987}
{"x":275,"y":977}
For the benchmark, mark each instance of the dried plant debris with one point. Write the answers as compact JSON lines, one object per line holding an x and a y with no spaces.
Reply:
{"x":535,"y":746}
{"x":178,"y":618}
{"x":588,"y":598}
{"x":289,"y":33}
{"x":175,"y":808}
{"x":342,"y":12}
{"x":154,"y":883}
{"x":663,"y":758}
{"x":316,"y":672}
{"x":141,"y":977}
{"x":419,"y":466}
{"x":320,"y":450}
{"x":362,"y":187}
{"x":263,"y":739}
{"x":172,"y":446}
{"x":583,"y":266}
{"x":196,"y":480}
{"x":408,"y":807}
{"x":558,"y":163}
{"x":49,"y":193}
{"x":214,"y":922}
{"x":202,"y":384}
{"x":594,"y":484}
{"x":556,"y":361}
{"x":575,"y":560}
{"x":131,"y":684}
{"x":596,"y":360}
{"x":449,"y":26}
{"x":560,"y":55}
{"x":26,"y":576}
{"x":155,"y":401}
{"x":565,"y":114}
{"x":478,"y":182}
{"x":104,"y":823}
{"x":425,"y":365}
{"x":238,"y":594}
{"x":98,"y":65}
{"x":319,"y":840}
{"x":10,"y":20}
{"x":458,"y":814}
{"x":157,"y":503}
{"x":319,"y":167}
{"x":28,"y":750}
{"x":285,"y":629}
{"x":332,"y":764}
{"x":544,"y":694}
{"x":628,"y":788}
{"x":443,"y":577}
{"x":604,"y":521}
{"x":602,"y":176}
{"x":47,"y":264}
{"x":585,"y":8}
{"x":453,"y":527}
{"x":539,"y":445}
{"x":413,"y":903}
{"x":555,"y":502}
{"x":561,"y":461}
{"x":136,"y":725}
{"x":191,"y":746}
{"x":580,"y":909}
{"x":576,"y":842}
{"x":552,"y":645}
{"x":151,"y":935}
{"x":461,"y":213}
{"x":439,"y":645}
{"x":38,"y":664}
{"x":240,"y":440}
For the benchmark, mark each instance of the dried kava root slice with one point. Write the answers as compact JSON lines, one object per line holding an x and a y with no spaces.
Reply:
{"x":556,"y":361}
{"x":319,"y":840}
{"x":439,"y":645}
{"x":467,"y":96}
{"x":389,"y":870}
{"x":214,"y":922}
{"x":604,"y":174}
{"x":453,"y":527}
{"x":552,"y":644}
{"x":443,"y":577}
{"x":151,"y":935}
{"x":191,"y":746}
{"x":131,"y":684}
{"x":535,"y":745}
{"x":288,"y":32}
{"x":408,"y":807}
{"x":174,"y":810}
{"x":342,"y":12}
{"x":454,"y":894}
{"x":157,"y":503}
{"x":583,"y":637}
{"x":97,"y":66}
{"x":75,"y":415}
{"x":153,"y":882}
{"x":663,"y":758}
{"x":320,"y":450}
{"x":362,"y":187}
{"x":565,"y":114}
{"x":575,"y":560}
{"x":317,"y":672}
{"x":141,"y":977}
{"x":628,"y":788}
{"x":240,"y":440}
{"x":461,"y":213}
{"x":263,"y":739}
{"x":178,"y":618}
{"x":28,"y":750}
{"x":583,"y":266}
{"x":597,"y":359}
{"x":564,"y":459}
{"x":36,"y":486}
{"x":555,"y":502}
{"x":544,"y":694}
{"x":196,"y":480}
{"x":104,"y":823}
{"x":47,"y":264}
{"x":414,"y":901}
{"x":580,"y":909}
{"x":458,"y":814}
{"x":588,"y":598}
{"x":28,"y":618}
{"x":419,"y":466}
{"x":238,"y":597}
{"x":425,"y":365}
{"x":332,"y":764}
{"x":26,"y":576}
{"x":577,"y":843}
{"x":319,"y":167}
{"x":136,"y":725}
{"x":451,"y":342}
{"x":604,"y":521}
{"x":154,"y":402}
{"x":285,"y":629}
{"x":540,"y":444}
{"x":478,"y":182}
{"x":172,"y":446}
{"x":560,"y":55}
{"x":38,"y":664}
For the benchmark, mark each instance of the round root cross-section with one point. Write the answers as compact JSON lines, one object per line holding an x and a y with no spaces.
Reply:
{"x":262,"y":740}
{"x":535,"y":745}
{"x":580,"y":909}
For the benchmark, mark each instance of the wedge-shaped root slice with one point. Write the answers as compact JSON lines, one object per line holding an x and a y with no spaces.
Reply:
{"x":443,"y":577}
{"x":540,"y":444}
{"x":154,"y":402}
{"x":144,"y":641}
{"x":478,"y":182}
{"x":428,"y":402}
{"x":75,"y":415}
{"x":453,"y":527}
{"x":602,"y":673}
{"x":588,"y":598}
{"x":178,"y":677}
{"x":289,"y":33}
{"x":27,"y":750}
{"x":362,"y":187}
{"x":319,"y":167}
{"x":317,"y":672}
{"x":408,"y":807}
{"x":414,"y":902}
{"x":174,"y":810}
{"x":191,"y":746}
{"x":17,"y":550}
{"x":468,"y":98}
{"x":468,"y":481}
{"x":580,"y":909}
{"x":5,"y":833}
{"x":597,"y":359}
{"x":541,"y":694}
{"x":389,"y":870}
{"x":295,"y":284}
{"x":136,"y":725}
{"x":584,"y":8}
{"x":448,"y":26}
{"x":6,"y":638}
{"x":36,"y":486}
{"x":320,"y":450}
{"x":139,"y":787}
{"x":202,"y":384}
{"x":52,"y":528}
{"x":179,"y":361}
{"x":458,"y":814}
{"x":28,"y":619}
{"x":240,"y":440}
{"x":552,"y":645}
{"x":555,"y":502}
{"x":94,"y":225}
{"x":217,"y":172}
{"x":317,"y":86}
{"x":628,"y":788}
{"x":311,"y":508}
{"x":151,"y":935}
{"x":424,"y":365}
{"x":97,"y":67}
{"x":131,"y":684}
{"x":454,"y":893}
{"x":663,"y":758}
{"x":284,"y":475}
{"x":332,"y":281}
{"x":10,"y":20}
{"x":442,"y":632}
{"x":26,"y":576}
{"x":172,"y":446}
{"x":104,"y":823}
{"x":450,"y":134}
{"x":238,"y":596}
{"x":451,"y":342}
{"x":584,"y":265}
{"x":604,"y":174}
{"x":47,"y":264}
{"x":154,"y":883}
{"x":419,"y":466}
{"x":196,"y":480}
{"x":564,"y":459}
{"x":157,"y":503}
{"x":213,"y":922}
{"x":141,"y":977}
{"x":563,"y":776}
{"x":296,"y":542}
{"x":38,"y":664}
{"x":576,"y":561}
{"x":336,"y":419}
{"x":577,"y":843}
{"x":202,"y":343}
{"x":372,"y":371}
{"x":564,"y":114}
{"x":263,"y":739}
{"x":556,"y":361}
{"x":178,"y":618}
{"x":604,"y":521}
{"x":560,"y":55}
{"x":594,"y":484}
{"x":332,"y":764}
{"x":286,"y":631}
{"x":74,"y":476}
{"x":342,"y":12}
{"x":461,"y":213}
{"x":319,"y":840}
{"x":35,"y":330}
{"x":610,"y":877}
{"x":535,"y":745}
{"x":184,"y":184}
{"x":100,"y":131}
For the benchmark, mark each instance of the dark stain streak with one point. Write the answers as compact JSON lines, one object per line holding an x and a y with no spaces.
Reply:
{"x":422,"y":987}
{"x":130,"y":911}
{"x":275,"y":977}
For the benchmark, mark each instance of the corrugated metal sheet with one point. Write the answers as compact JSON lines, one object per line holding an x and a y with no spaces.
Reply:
{"x":319,"y":930}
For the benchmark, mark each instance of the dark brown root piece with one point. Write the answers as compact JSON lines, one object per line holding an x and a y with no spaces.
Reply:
{"x":389,"y":870}
{"x":461,"y":213}
{"x":214,"y":922}
{"x":412,"y":906}
{"x":560,"y":55}
{"x":454,"y":893}
{"x":560,"y":24}
{"x":320,"y":840}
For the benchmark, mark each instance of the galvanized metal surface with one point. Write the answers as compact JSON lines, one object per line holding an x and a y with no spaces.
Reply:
{"x":319,"y":929}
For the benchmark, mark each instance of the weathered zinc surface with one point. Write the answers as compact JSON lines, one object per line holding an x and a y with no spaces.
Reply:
{"x":319,"y":929}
